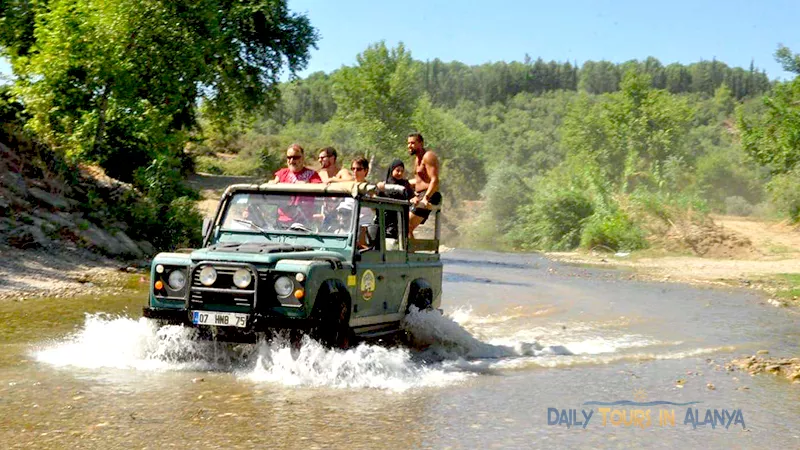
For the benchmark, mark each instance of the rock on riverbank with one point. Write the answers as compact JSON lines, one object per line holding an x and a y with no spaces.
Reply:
{"x":788,"y":368}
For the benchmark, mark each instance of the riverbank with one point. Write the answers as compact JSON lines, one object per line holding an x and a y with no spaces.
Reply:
{"x":766,"y":257}
{"x":29,"y":274}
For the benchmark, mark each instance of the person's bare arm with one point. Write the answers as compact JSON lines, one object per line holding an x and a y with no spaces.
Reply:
{"x":432,"y":168}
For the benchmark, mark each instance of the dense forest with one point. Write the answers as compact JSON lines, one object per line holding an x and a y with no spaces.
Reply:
{"x":535,"y":154}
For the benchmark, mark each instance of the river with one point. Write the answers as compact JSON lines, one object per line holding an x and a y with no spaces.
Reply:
{"x":523,"y":343}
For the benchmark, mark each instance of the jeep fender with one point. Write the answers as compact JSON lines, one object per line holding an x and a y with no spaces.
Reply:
{"x":329,"y":289}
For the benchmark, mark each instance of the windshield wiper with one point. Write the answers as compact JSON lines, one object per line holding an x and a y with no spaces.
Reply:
{"x":254,"y":226}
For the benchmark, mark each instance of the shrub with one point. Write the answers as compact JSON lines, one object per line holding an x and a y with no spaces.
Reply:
{"x":738,"y":206}
{"x":554,"y":221}
{"x":784,"y":191}
{"x":184,"y":223}
{"x":614,"y":230}
{"x":208,"y":164}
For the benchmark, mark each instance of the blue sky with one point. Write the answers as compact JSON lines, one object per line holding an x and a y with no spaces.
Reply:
{"x":473,"y":32}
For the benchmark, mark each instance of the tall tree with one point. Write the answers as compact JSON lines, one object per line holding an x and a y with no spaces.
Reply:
{"x":378,"y":95}
{"x":119,"y":80}
{"x":773,"y":139}
{"x":631,"y":133}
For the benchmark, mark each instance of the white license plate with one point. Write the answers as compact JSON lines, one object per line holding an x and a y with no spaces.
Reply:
{"x":219,"y":319}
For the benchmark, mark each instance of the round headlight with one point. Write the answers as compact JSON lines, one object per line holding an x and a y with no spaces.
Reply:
{"x":242,"y":278}
{"x":300,"y":277}
{"x":208,"y":275}
{"x":284,"y":286}
{"x":177,"y":280}
{"x":159,"y":269}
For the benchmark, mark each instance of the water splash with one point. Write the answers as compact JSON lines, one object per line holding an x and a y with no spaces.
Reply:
{"x":365,"y":366}
{"x":442,"y":337}
{"x":118,"y":342}
{"x":444,"y":349}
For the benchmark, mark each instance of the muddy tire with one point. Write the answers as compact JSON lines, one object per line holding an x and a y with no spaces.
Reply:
{"x":334,"y":329}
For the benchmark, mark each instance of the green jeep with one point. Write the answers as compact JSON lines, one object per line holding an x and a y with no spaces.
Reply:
{"x":332,"y":260}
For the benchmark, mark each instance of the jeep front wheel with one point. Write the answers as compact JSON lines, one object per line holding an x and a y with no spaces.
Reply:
{"x":334,"y":328}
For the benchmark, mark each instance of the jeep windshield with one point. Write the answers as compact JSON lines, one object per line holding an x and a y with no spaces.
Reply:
{"x":273,"y":214}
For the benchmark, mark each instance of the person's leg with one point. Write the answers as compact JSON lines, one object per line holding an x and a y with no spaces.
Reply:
{"x":413,"y":222}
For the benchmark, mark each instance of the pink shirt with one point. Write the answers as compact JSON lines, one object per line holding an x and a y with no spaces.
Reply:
{"x":286,"y":175}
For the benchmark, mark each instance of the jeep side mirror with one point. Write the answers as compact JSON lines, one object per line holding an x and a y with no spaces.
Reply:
{"x":206,"y":226}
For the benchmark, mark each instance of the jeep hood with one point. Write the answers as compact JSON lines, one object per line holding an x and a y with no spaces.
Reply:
{"x":267,"y":255}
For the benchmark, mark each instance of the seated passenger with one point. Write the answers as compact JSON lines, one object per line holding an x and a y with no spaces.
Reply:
{"x":359,"y":170}
{"x":237,"y":216}
{"x":395,"y":176}
{"x":342,"y":218}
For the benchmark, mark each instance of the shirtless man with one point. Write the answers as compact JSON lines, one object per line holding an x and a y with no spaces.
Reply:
{"x":330,"y":167}
{"x":425,"y":182}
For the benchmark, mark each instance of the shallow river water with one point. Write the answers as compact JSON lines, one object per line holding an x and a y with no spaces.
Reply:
{"x":523,"y":343}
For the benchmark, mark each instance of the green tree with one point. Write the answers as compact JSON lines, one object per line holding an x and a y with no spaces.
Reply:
{"x":631,"y":134}
{"x":459,"y":149}
{"x":104,"y":78}
{"x":773,"y":137}
{"x":378,"y":95}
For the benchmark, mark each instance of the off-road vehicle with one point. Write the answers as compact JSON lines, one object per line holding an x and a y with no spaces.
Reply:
{"x":334,"y":261}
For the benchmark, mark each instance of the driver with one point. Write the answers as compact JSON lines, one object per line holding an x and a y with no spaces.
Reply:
{"x":239,"y":210}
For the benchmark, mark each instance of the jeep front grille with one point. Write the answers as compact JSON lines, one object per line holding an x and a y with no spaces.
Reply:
{"x":223,"y":291}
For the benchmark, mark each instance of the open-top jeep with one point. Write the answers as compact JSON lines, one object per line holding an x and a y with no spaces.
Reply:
{"x":332,"y":260}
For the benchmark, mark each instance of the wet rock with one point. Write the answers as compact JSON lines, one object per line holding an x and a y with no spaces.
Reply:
{"x":129,"y":246}
{"x":98,"y":239}
{"x":48,"y":199}
{"x":27,"y":237}
{"x":15,"y":182}
{"x":63,"y":220}
{"x":146,"y":247}
{"x":754,"y":365}
{"x":711,"y":387}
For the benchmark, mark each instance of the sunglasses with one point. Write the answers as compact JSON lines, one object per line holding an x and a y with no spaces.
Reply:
{"x":292,"y":158}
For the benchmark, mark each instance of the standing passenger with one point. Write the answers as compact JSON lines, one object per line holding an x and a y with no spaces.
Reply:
{"x":425,"y":182}
{"x":295,"y":170}
{"x":328,"y":159}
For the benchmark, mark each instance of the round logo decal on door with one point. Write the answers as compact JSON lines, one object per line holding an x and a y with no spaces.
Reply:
{"x":367,"y":284}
